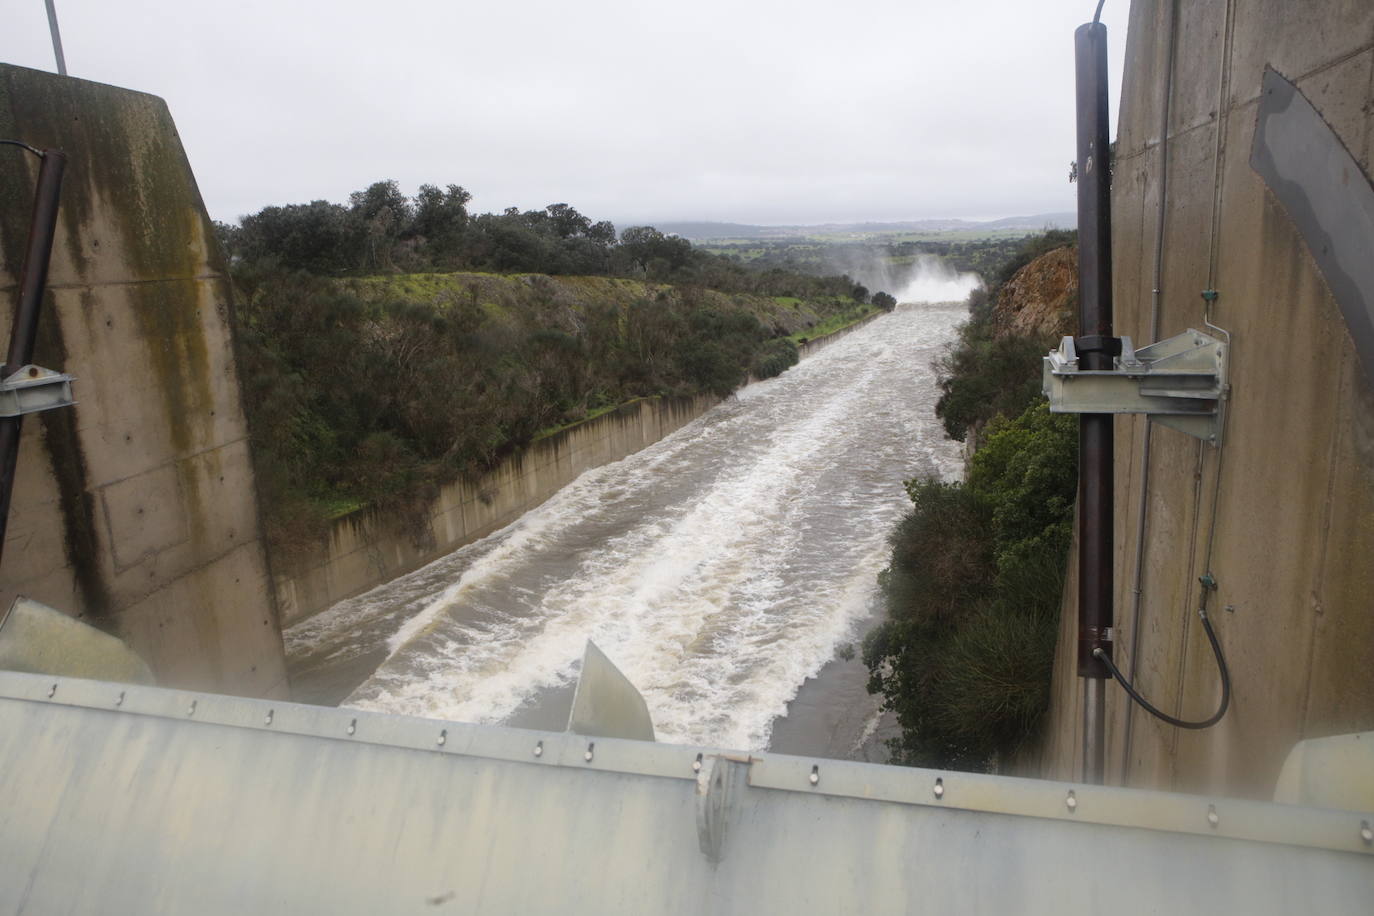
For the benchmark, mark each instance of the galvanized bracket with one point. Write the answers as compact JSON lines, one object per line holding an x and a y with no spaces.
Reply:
{"x":1179,"y":383}
{"x":32,"y":389}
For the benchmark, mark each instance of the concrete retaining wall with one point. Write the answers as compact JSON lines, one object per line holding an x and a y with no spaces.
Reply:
{"x":135,"y":509}
{"x":811,"y":346}
{"x":1294,"y":524}
{"x":369,"y":547}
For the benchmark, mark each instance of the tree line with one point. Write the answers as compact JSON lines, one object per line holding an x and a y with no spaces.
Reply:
{"x":392,"y":344}
{"x":381,"y":230}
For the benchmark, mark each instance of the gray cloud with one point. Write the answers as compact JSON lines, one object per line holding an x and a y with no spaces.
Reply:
{"x":764,"y":112}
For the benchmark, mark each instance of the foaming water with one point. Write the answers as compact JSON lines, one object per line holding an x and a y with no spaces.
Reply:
{"x":932,"y":280}
{"x":718,"y":568}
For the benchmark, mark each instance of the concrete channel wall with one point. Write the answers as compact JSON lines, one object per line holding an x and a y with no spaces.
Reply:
{"x":369,"y":547}
{"x":135,"y":509}
{"x":1293,"y":530}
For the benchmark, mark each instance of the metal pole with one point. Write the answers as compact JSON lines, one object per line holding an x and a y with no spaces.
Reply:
{"x":1096,"y":347}
{"x":32,"y":281}
{"x":56,"y":38}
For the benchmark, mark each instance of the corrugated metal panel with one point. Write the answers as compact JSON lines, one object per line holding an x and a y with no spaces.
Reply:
{"x":140,"y":799}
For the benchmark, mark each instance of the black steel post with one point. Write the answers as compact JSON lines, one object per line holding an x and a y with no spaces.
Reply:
{"x":33,"y":279}
{"x":1096,"y":347}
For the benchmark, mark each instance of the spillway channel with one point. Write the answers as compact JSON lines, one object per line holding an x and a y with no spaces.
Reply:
{"x":719,"y":568}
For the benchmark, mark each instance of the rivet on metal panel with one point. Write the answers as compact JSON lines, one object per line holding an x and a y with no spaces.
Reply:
{"x":696,"y":764}
{"x":939,"y":787}
{"x":267,"y":719}
{"x":815,"y":775}
{"x":1071,"y":801}
{"x":191,"y":710}
{"x":1212,"y":817}
{"x":119,"y":700}
{"x":1366,"y":833}
{"x":352,"y":726}
{"x":52,"y":691}
{"x":591,"y":749}
{"x":539,"y":749}
{"x":443,"y":737}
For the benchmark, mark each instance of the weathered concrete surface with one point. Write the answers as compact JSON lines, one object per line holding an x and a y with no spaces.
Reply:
{"x":134,"y":510}
{"x":1294,"y":525}
{"x":369,"y":547}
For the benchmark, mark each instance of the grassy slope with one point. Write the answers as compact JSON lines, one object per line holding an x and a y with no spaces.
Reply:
{"x":372,"y":390}
{"x":498,"y":293}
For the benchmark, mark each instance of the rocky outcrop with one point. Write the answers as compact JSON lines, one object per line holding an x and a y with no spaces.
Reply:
{"x":1041,"y":299}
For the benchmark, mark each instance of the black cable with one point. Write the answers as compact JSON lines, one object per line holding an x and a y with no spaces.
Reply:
{"x":1098,"y":14}
{"x":1180,"y":723}
{"x":23,"y":145}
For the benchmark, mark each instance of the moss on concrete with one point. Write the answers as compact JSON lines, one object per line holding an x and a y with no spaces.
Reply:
{"x":168,"y":316}
{"x":62,"y":445}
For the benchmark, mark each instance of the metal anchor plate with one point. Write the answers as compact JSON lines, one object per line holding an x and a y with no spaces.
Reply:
{"x":1179,"y":382}
{"x":32,"y":389}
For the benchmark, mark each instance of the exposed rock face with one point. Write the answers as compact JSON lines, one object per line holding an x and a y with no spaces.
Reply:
{"x":1042,"y":297}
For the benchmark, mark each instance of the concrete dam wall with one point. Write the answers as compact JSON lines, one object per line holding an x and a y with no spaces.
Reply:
{"x":1290,"y":540}
{"x":135,"y":509}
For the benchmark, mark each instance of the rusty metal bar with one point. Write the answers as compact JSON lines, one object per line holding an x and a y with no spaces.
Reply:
{"x":1096,"y":348}
{"x":33,"y":279}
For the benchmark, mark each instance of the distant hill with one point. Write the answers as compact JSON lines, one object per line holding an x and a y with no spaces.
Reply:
{"x":701,"y":231}
{"x":706,"y":231}
{"x":1040,"y":221}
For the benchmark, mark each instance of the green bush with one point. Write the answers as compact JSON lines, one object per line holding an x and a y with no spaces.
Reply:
{"x":774,"y":357}
{"x":1027,"y":471}
{"x":941,"y":557}
{"x":972,"y":594}
{"x":985,"y":375}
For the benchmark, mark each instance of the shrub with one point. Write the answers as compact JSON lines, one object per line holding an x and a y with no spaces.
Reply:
{"x":985,"y":376}
{"x":972,"y":594}
{"x":774,"y":357}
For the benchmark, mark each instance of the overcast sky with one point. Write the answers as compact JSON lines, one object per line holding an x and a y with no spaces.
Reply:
{"x":630,"y":110}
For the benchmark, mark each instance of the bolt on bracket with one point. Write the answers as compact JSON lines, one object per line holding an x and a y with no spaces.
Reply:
{"x":1179,"y":382}
{"x":31,"y":389}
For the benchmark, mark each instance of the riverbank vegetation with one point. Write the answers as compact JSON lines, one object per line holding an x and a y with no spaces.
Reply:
{"x":974,"y":583}
{"x":392,"y":345}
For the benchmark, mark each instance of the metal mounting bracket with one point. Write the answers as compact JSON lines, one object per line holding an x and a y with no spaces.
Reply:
{"x":32,"y":389}
{"x":1179,"y":383}
{"x":719,"y":781}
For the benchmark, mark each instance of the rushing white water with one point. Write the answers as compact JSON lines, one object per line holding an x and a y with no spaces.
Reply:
{"x":931,"y":279}
{"x":718,"y":568}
